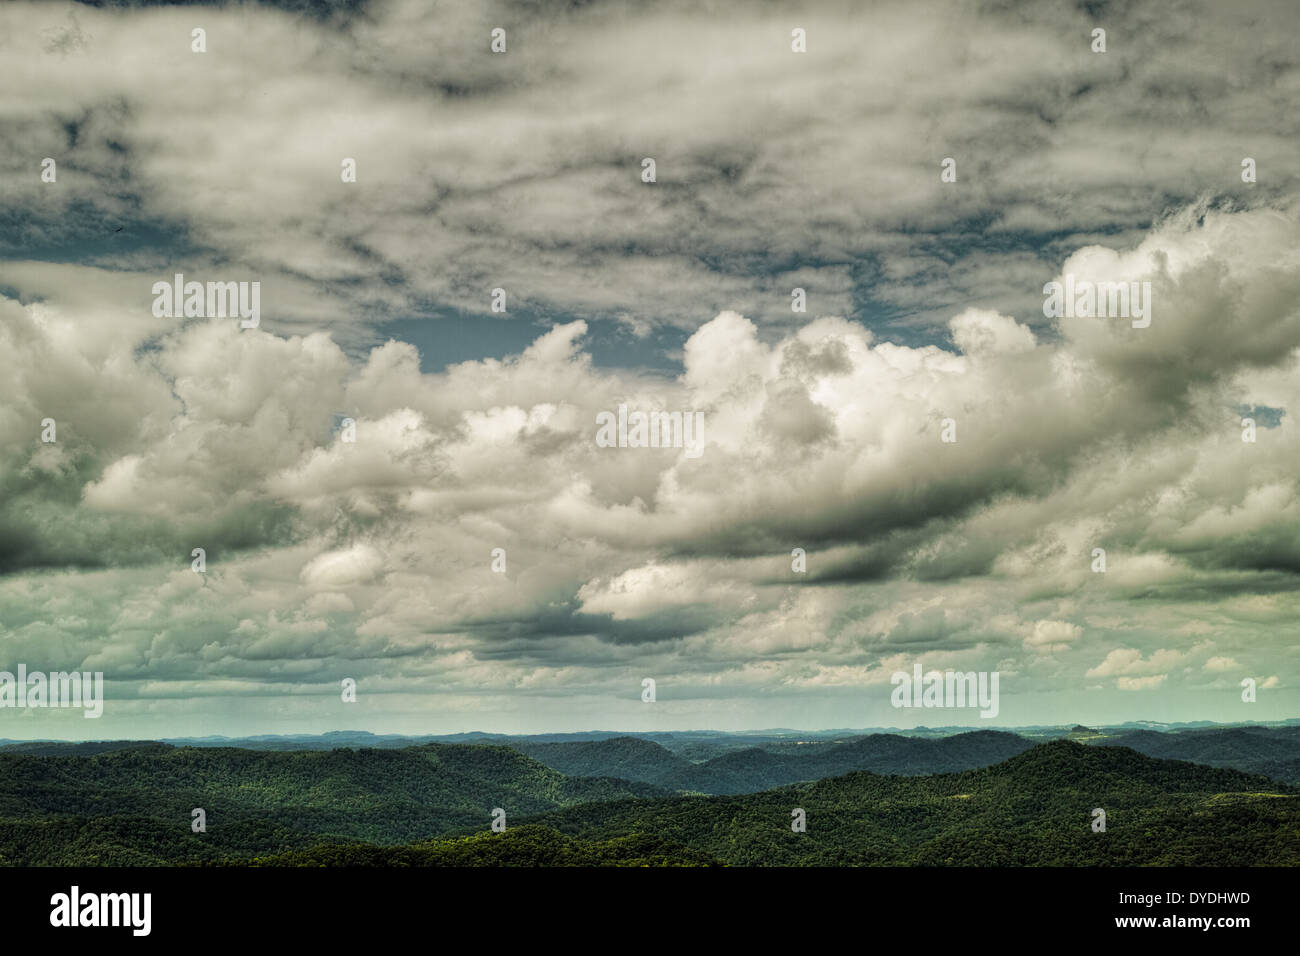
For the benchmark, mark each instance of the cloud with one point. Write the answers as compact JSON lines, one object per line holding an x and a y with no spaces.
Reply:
{"x":823,"y":430}
{"x":1140,"y":683}
{"x":522,"y":170}
{"x":1127,"y":662}
{"x":825,"y":439}
{"x":1050,"y":637}
{"x":335,"y":569}
{"x":979,"y":330}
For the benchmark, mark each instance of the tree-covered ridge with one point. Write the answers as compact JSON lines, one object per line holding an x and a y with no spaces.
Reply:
{"x":133,"y":806}
{"x":1272,"y":751}
{"x":691,"y":761}
{"x":1034,"y":809}
{"x":761,"y":768}
{"x":528,"y":845}
{"x":355,"y":807}
{"x":750,"y":771}
{"x":629,"y":758}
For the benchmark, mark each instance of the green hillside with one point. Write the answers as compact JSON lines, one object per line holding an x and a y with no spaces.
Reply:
{"x":1272,"y":751}
{"x":430,"y":805}
{"x":629,"y":758}
{"x":752,"y":769}
{"x":1034,"y":809}
{"x":133,"y":806}
{"x":529,"y":845}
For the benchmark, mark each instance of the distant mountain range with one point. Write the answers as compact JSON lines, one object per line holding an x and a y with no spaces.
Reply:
{"x":1272,"y":751}
{"x":679,"y":742}
{"x":978,"y":797}
{"x":1034,"y":809}
{"x":760,"y":768}
{"x":719,"y":763}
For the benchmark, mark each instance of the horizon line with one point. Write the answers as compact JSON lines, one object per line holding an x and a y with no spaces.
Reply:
{"x":957,"y":728}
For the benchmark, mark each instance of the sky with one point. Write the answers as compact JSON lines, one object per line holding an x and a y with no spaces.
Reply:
{"x":330,"y":560}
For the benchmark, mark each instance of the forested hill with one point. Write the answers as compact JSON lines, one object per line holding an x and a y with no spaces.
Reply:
{"x":631,"y":758}
{"x":1034,"y":809}
{"x":1272,"y":751}
{"x":133,"y":806}
{"x":528,"y":845}
{"x":691,"y":761}
{"x":431,"y":805}
{"x":761,"y":768}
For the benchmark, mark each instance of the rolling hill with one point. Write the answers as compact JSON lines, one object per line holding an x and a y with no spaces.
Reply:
{"x":1272,"y":751}
{"x":430,"y":805}
{"x":528,"y":845}
{"x":761,"y":768}
{"x":133,"y":806}
{"x":1034,"y":809}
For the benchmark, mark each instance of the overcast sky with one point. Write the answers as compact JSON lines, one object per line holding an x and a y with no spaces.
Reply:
{"x":522,"y":170}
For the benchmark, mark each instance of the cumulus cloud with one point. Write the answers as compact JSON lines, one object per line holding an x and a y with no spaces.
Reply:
{"x":373,"y":558}
{"x":1052,"y":636}
{"x":1127,"y":662}
{"x":827,"y":440}
{"x":523,"y":170}
{"x":979,"y":330}
{"x":337,"y":569}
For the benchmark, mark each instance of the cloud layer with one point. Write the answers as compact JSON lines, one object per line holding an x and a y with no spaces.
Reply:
{"x":824,"y":432}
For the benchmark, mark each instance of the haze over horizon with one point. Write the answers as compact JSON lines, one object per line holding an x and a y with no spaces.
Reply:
{"x":531,"y":731}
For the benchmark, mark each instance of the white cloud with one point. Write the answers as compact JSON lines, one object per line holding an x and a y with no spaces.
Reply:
{"x":339,"y":569}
